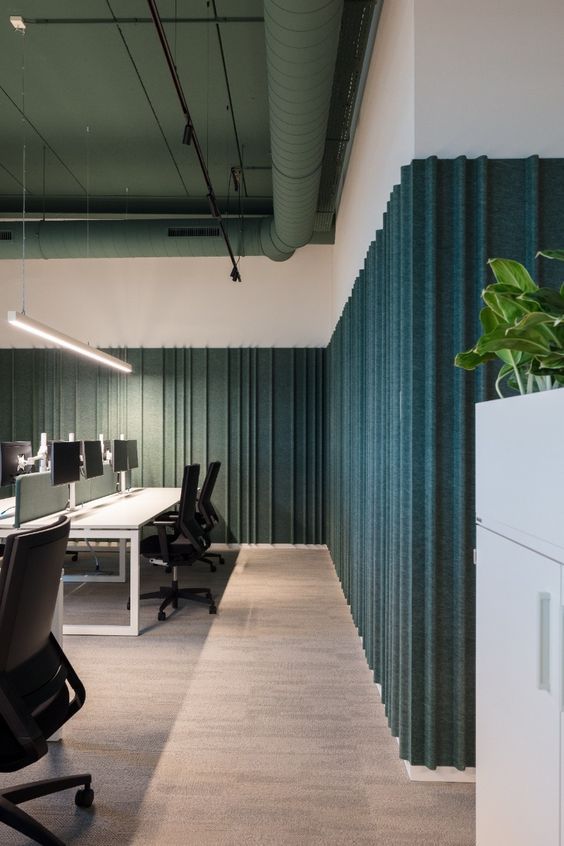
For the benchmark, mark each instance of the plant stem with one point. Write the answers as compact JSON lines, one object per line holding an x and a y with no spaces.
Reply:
{"x":518,"y":376}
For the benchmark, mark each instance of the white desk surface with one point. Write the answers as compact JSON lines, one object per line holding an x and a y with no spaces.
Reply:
{"x":124,"y":511}
{"x":127,"y":511}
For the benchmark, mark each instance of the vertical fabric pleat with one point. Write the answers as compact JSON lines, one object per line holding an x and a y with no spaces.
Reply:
{"x":258,"y":411}
{"x":400,"y":431}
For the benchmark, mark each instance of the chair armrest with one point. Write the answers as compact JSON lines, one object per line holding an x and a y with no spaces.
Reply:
{"x":163,"y":540}
{"x":79,"y":697}
{"x":168,"y":515}
{"x":20,"y":721}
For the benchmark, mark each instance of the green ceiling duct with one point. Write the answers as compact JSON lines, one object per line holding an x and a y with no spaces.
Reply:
{"x":301,"y":49}
{"x":302,"y":38}
{"x":130,"y":238}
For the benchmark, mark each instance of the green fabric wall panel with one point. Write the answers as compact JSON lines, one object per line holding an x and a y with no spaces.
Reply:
{"x":284,"y":435}
{"x":258,"y":411}
{"x":400,"y":435}
{"x":218,"y":427}
{"x":153,"y":416}
{"x":263,"y":435}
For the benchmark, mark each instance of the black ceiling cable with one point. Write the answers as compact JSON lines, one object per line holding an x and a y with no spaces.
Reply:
{"x":146,"y":93}
{"x":190,"y":136}
{"x":228,"y":89}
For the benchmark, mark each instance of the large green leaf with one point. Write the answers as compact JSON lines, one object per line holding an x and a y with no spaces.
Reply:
{"x":507,"y":306}
{"x":534,"y":319}
{"x":552,"y":254}
{"x":470,"y":359}
{"x":512,"y":357}
{"x":549,"y":300}
{"x":510,"y":272}
{"x":488,"y":344}
{"x":488,"y":319}
{"x":551,"y":361}
{"x":541,"y":327}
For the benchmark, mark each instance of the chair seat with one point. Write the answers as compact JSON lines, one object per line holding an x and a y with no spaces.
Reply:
{"x":180,"y":546}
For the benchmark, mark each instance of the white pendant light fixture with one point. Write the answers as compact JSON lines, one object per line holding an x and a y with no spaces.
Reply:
{"x":20,"y":319}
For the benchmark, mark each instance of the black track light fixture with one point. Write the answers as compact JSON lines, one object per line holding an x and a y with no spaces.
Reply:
{"x":214,"y":210}
{"x":187,"y":134}
{"x":190,"y":136}
{"x":236,"y":177}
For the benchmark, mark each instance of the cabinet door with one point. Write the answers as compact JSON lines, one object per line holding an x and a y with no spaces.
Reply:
{"x":518,"y":691}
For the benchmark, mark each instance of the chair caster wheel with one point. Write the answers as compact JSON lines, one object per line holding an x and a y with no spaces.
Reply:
{"x":221,"y":559}
{"x":161,"y":616}
{"x":213,"y":568}
{"x":128,"y":605}
{"x":213,"y":609}
{"x":84,"y":797}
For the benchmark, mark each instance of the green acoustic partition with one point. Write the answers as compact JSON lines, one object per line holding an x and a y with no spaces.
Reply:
{"x":259,"y":411}
{"x":37,"y":497}
{"x":400,"y":431}
{"x":89,"y":489}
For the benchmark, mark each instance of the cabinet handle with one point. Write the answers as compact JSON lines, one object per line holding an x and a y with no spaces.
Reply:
{"x":561,"y":655}
{"x":544,"y":641}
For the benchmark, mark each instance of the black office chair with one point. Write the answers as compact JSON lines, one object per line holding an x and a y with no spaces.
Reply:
{"x":206,"y":514}
{"x":34,"y":673}
{"x":180,"y":542}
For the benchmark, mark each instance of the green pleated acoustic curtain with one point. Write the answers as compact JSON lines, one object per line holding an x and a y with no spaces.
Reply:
{"x":400,"y":431}
{"x":367,"y":445}
{"x":259,"y":411}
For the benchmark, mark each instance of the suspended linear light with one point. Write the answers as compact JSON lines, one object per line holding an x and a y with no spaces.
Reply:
{"x":22,"y":321}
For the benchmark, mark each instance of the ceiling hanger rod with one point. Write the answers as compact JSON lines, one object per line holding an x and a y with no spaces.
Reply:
{"x":191,"y":132}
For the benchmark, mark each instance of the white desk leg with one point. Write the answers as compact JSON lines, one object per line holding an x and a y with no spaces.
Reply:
{"x":134,"y":567}
{"x":57,"y":629}
{"x":122,"y":557}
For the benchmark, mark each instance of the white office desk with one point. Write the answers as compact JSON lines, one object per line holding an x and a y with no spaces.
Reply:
{"x":119,"y":516}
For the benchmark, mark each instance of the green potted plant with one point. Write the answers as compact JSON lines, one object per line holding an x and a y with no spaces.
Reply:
{"x":523,"y":325}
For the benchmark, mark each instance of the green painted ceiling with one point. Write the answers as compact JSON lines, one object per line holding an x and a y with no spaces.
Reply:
{"x":104,"y":127}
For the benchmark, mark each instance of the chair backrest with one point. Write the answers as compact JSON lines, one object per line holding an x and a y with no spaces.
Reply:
{"x":187,"y":523}
{"x":205,"y":505}
{"x":35,"y":674}
{"x":29,"y":584}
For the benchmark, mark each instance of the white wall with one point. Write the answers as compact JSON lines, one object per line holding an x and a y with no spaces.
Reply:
{"x":448,"y":78}
{"x":383,"y":142}
{"x":173,"y":301}
{"x":489,"y":78}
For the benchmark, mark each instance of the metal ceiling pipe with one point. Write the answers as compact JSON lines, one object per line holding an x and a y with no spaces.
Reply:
{"x":50,"y":239}
{"x":301,"y":49}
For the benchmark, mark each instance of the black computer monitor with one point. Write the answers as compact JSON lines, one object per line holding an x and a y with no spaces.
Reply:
{"x":65,"y":462}
{"x":119,"y":456}
{"x":12,"y":460}
{"x":132,"y":459}
{"x":92,"y":464}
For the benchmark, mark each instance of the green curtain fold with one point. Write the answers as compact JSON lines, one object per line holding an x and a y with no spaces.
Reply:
{"x":400,"y":439}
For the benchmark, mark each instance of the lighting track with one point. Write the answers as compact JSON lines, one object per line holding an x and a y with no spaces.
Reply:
{"x":190,"y":135}
{"x":215,"y":20}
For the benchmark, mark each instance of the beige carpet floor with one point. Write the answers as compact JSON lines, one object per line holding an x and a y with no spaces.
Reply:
{"x":260,"y":725}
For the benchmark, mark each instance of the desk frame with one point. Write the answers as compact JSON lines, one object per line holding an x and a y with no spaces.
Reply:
{"x":126,"y":527}
{"x":131,"y":535}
